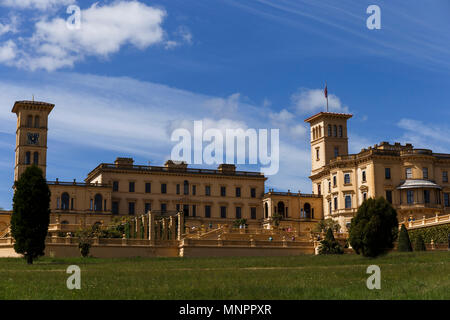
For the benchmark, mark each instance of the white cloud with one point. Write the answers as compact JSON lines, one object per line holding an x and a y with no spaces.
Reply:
{"x":7,"y":51}
{"x":307,"y":101}
{"x":422,"y":135}
{"x":35,"y":4}
{"x":104,"y":30}
{"x":223,"y":106}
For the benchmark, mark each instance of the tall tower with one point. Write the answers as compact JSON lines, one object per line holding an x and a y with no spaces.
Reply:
{"x":31,"y":135}
{"x":328,"y":138}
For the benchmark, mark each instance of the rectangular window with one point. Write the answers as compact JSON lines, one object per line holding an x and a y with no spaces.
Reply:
{"x":426,"y":196}
{"x":71,"y":204}
{"x":163,"y":188}
{"x":387,"y":173}
{"x":223,"y":212}
{"x":147,"y":207}
{"x":348,"y":202}
{"x":186,"y":210}
{"x":336,"y":152}
{"x":329,"y":186}
{"x":410,"y":196}
{"x":317,"y":154}
{"x":364,"y":176}
{"x":186,"y":188}
{"x":115,"y":185}
{"x":207,"y":190}
{"x":253,"y":192}
{"x":389,"y":196}
{"x":115,"y":207}
{"x":444,"y":176}
{"x":148,"y":187}
{"x":253,"y":213}
{"x":131,"y":187}
{"x":319,"y":189}
{"x":238,"y":213}
{"x":408,"y":173}
{"x":207,"y":211}
{"x":131,"y":208}
{"x":329,"y":207}
{"x":163,"y":207}
{"x":223,"y":191}
{"x":194,"y":210}
{"x":340,"y":132}
{"x":446,"y":199}
{"x":194,"y":190}
{"x":425,"y":173}
{"x":334,"y":181}
{"x":347,"y":178}
{"x":238,"y":192}
{"x":178,"y":189}
{"x":335,"y":203}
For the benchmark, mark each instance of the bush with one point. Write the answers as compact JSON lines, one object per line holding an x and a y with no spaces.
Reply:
{"x":329,"y":245}
{"x":324,"y":225}
{"x":240,"y":222}
{"x":439,"y":234}
{"x":31,"y":213}
{"x":404,"y":244}
{"x":374,"y":228}
{"x":419,"y":244}
{"x":85,"y":237}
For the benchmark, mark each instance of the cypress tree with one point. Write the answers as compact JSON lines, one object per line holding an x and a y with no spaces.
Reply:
{"x":31,"y":213}
{"x":404,"y":244}
{"x":419,"y":244}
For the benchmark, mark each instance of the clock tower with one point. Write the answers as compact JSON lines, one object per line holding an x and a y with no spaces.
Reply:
{"x":31,"y":135}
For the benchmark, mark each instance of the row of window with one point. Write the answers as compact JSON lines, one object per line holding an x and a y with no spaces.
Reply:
{"x":186,"y":189}
{"x":30,"y":121}
{"x":188,"y":210}
{"x":66,"y":203}
{"x":35,"y":157}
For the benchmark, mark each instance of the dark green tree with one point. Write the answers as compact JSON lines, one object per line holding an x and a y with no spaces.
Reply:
{"x":404,"y":243}
{"x":330,"y":245}
{"x":374,"y":228}
{"x":31,"y":213}
{"x":419,"y":244}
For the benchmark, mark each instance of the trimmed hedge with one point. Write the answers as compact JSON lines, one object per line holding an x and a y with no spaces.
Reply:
{"x":439,"y":234}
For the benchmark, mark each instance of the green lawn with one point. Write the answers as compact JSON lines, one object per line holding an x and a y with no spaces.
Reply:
{"x":403,"y":276}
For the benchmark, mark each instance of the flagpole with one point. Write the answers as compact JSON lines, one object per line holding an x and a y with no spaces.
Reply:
{"x":326,"y":96}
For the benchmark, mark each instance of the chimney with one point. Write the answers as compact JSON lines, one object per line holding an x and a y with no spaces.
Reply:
{"x":227,"y":168}
{"x":124,"y":162}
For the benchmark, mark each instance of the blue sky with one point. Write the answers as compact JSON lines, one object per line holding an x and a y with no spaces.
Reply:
{"x":136,"y":70}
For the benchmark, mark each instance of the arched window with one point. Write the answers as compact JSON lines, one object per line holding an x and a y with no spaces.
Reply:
{"x":307,"y":210}
{"x":28,"y":157}
{"x":65,"y":201}
{"x":36,"y":158}
{"x":340,"y":132}
{"x":36,"y":122}
{"x":280,"y":208}
{"x":329,"y":130}
{"x":335,"y":130}
{"x":98,"y":199}
{"x":186,"y":187}
{"x":30,"y":121}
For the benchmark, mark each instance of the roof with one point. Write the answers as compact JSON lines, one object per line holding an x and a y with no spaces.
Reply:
{"x":329,"y":114}
{"x":39,"y":104}
{"x":418,"y":183}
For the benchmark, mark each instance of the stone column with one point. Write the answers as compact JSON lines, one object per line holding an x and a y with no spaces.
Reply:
{"x":172,"y":228}
{"x":164,"y":229}
{"x":157,"y":231}
{"x":180,"y":226}
{"x":138,"y":228}
{"x":151,"y":228}
{"x":145,"y":222}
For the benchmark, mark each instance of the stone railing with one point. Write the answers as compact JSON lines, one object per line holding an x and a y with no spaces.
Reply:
{"x":427,"y":222}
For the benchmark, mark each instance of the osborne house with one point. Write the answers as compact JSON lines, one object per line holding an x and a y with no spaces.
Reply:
{"x":415,"y":181}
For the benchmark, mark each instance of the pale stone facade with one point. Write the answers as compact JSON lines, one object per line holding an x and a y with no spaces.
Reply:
{"x":415,"y":181}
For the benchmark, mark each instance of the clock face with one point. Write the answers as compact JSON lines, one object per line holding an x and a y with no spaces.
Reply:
{"x":33,"y":138}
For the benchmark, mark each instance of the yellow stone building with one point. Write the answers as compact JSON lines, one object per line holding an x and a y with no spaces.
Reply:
{"x":415,"y":181}
{"x":205,"y":196}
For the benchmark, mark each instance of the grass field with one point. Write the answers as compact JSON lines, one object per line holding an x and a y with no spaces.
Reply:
{"x":403,"y":276}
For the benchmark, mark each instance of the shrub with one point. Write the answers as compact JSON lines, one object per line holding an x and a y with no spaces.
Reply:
{"x":419,"y":244}
{"x":329,"y":245}
{"x":374,"y":228}
{"x":240,"y":222}
{"x":439,"y":234}
{"x":324,"y":225}
{"x":31,"y":213}
{"x":404,"y":244}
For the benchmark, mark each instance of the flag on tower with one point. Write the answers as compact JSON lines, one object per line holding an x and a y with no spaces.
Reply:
{"x":325,"y":91}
